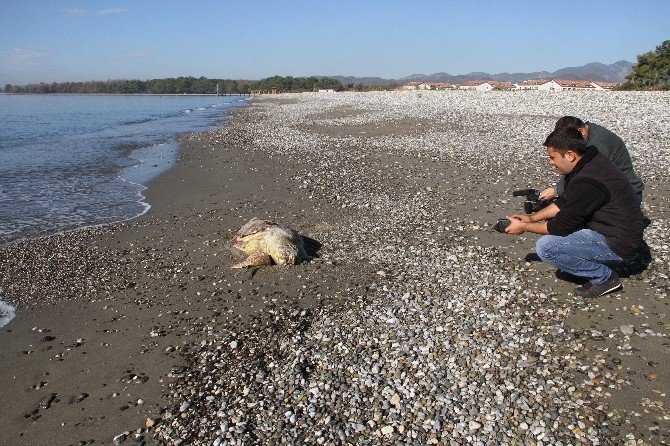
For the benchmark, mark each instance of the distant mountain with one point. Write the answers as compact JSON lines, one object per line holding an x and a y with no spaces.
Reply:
{"x":593,"y":71}
{"x":615,"y":72}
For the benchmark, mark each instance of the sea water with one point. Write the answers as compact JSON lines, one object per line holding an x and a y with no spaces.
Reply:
{"x":71,"y":161}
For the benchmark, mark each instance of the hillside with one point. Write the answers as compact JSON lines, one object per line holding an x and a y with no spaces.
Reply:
{"x":593,"y":71}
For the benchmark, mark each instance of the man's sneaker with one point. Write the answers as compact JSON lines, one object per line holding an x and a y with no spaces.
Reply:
{"x":591,"y":290}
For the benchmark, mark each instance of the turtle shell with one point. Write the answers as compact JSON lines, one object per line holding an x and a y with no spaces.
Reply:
{"x":254,"y":226}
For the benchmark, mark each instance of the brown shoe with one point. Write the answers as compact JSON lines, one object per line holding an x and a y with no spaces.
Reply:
{"x":590,"y":290}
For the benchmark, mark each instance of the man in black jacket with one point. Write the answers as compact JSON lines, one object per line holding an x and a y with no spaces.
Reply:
{"x":595,"y":224}
{"x":608,"y":143}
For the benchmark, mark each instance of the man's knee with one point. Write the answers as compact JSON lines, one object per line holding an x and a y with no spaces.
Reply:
{"x":546,"y":247}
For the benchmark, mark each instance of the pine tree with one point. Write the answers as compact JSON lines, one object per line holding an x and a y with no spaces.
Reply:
{"x":652,"y":71}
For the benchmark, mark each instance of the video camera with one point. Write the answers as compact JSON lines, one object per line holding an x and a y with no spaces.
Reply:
{"x":531,"y":204}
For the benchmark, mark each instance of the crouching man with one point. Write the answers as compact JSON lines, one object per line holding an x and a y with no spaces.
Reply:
{"x":596,"y":224}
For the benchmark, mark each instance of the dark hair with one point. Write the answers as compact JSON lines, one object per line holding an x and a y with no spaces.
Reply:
{"x":564,"y":139}
{"x":569,"y":121}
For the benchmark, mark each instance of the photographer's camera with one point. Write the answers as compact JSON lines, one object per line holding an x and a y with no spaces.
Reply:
{"x":531,"y":204}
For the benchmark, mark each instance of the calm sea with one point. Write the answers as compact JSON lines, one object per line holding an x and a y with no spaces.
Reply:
{"x":69,"y":161}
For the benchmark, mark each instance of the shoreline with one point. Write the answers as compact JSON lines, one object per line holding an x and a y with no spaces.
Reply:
{"x":126,"y":94}
{"x":393,"y":191}
{"x":130,"y":341}
{"x":146,"y":160}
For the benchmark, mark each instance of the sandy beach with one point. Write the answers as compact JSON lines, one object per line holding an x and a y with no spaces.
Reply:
{"x":415,"y":323}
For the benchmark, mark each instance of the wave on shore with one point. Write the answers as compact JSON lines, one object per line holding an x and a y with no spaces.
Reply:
{"x":90,"y":164}
{"x":7,"y":312}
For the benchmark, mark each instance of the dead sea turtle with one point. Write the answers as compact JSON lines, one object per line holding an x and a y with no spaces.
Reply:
{"x":267,"y":242}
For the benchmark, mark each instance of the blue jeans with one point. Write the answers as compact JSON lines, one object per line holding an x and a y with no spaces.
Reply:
{"x":583,"y":253}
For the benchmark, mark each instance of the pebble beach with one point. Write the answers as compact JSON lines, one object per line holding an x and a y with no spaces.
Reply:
{"x":415,"y":323}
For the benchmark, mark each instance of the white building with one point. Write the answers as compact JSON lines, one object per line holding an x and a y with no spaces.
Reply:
{"x":411,"y":86}
{"x":502,"y":85}
{"x":569,"y":84}
{"x":606,"y":85}
{"x":563,"y":84}
{"x":538,"y":84}
{"x":417,"y":86}
{"x":444,"y":86}
{"x":484,"y":86}
{"x":476,"y":86}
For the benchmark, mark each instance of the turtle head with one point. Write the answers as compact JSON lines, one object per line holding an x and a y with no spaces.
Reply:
{"x":238,"y":243}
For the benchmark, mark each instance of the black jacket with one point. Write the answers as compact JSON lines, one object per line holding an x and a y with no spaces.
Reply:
{"x":612,"y":146}
{"x":598,"y":196}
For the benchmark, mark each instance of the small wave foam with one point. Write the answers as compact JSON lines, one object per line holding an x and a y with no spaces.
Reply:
{"x":189,"y":110}
{"x":7,"y":312}
{"x":138,"y":121}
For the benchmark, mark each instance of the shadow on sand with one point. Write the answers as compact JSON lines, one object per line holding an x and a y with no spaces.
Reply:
{"x":312,"y":247}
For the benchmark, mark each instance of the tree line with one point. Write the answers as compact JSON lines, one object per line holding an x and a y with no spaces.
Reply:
{"x":181,"y":85}
{"x":289,"y":83}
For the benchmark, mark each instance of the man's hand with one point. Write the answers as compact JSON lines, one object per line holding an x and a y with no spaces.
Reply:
{"x":548,"y":193}
{"x":521,"y":217}
{"x":521,"y":223}
{"x":516,"y":227}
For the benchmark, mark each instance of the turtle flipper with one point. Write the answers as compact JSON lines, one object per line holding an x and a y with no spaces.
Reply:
{"x":255,"y":259}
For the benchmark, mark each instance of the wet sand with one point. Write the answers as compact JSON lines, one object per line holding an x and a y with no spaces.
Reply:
{"x":111,"y":322}
{"x":161,"y":282}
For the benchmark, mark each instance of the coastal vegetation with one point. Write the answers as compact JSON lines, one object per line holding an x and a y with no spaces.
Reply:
{"x":652,"y":71}
{"x":297,"y":84}
{"x":181,"y":85}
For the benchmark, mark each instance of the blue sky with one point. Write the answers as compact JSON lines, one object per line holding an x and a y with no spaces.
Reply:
{"x":59,"y":40}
